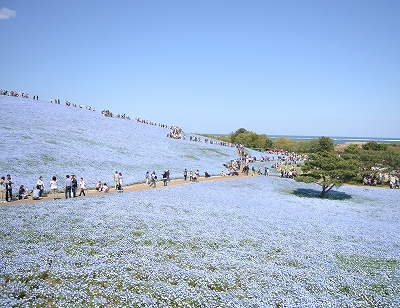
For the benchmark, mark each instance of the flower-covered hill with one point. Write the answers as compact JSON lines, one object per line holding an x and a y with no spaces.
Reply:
{"x":43,"y":138}
{"x":256,"y":242}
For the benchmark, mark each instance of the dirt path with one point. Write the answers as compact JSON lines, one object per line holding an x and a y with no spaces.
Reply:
{"x":132,"y":188}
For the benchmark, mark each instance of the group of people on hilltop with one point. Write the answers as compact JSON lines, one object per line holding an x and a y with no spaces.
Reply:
{"x":177,"y":133}
{"x":16,"y":94}
{"x":109,"y":114}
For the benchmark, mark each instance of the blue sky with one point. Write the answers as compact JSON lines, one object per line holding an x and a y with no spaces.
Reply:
{"x":319,"y":68}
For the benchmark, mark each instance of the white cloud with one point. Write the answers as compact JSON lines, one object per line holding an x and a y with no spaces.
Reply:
{"x":7,"y":13}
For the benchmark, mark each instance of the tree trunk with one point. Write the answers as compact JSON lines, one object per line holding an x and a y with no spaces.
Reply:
{"x":326,"y":189}
{"x":323,"y":193}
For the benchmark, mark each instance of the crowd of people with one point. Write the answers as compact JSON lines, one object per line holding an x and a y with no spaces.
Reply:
{"x":17,"y":94}
{"x":381,"y":179}
{"x":70,"y":188}
{"x":176,"y":131}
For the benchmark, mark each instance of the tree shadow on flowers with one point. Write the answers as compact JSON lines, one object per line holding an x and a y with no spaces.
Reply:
{"x":313,"y":193}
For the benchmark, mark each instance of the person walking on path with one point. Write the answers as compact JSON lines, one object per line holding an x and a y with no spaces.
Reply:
{"x":54,"y":188}
{"x":116,"y":179}
{"x":2,"y":190}
{"x":68,"y":186}
{"x":82,"y":187}
{"x":147,"y":177}
{"x":185,"y":174}
{"x":40,"y":186}
{"x":8,"y":183}
{"x":153,"y":179}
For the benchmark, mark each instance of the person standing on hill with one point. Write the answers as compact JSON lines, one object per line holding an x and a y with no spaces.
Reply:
{"x":119,"y":179}
{"x":147,"y":177}
{"x":68,"y":186}
{"x":185,"y":174}
{"x":165,"y":178}
{"x":74,"y":185}
{"x":2,"y":190}
{"x":116,"y":179}
{"x":40,"y":186}
{"x":54,"y":187}
{"x":8,"y":183}
{"x":82,"y":187}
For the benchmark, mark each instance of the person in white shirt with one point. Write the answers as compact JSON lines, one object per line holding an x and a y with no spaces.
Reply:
{"x":82,"y":187}
{"x":40,"y":186}
{"x":54,"y":187}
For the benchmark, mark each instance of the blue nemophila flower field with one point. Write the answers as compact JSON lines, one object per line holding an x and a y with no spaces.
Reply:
{"x":44,"y":139}
{"x":254,"y":242}
{"x":240,"y":243}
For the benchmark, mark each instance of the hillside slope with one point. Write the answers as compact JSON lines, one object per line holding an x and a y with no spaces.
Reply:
{"x":41,"y":138}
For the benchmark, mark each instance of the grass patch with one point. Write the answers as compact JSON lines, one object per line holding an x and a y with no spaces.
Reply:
{"x":206,"y":151}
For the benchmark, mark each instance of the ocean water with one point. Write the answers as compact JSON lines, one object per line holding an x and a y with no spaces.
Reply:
{"x":336,"y":140}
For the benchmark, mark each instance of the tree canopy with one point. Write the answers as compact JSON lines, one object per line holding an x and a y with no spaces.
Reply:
{"x":250,"y":139}
{"x":327,"y":169}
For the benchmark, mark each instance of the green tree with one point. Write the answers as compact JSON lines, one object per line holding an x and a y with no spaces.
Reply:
{"x":303,"y":146}
{"x":234,"y":135}
{"x":285,"y":143}
{"x":352,"y":149}
{"x":250,"y":140}
{"x":267,"y":141}
{"x":328,"y":170}
{"x":374,"y":146}
{"x":324,"y":144}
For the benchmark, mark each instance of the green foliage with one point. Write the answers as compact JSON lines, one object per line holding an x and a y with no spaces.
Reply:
{"x":238,"y":132}
{"x":352,"y":149}
{"x":374,"y":146}
{"x":374,"y":156}
{"x":324,"y":144}
{"x":285,"y":143}
{"x":303,"y":147}
{"x":267,"y":141}
{"x":250,"y":139}
{"x":329,"y":170}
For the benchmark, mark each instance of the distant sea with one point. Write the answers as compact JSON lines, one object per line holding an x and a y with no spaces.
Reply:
{"x":336,"y":140}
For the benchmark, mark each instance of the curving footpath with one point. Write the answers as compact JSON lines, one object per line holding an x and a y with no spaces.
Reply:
{"x":132,"y":188}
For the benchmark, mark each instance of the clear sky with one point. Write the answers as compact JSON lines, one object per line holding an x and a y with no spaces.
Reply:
{"x":319,"y":68}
